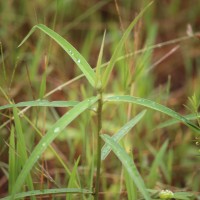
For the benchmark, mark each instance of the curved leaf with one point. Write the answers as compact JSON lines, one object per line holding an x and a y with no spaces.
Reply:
{"x":156,"y":163}
{"x":121,"y":133}
{"x":175,"y":121}
{"x":153,"y":105}
{"x":48,"y":138}
{"x":71,"y":51}
{"x":128,"y":164}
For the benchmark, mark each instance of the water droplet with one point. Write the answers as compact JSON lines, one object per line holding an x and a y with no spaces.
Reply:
{"x":70,"y":52}
{"x":44,"y":144}
{"x":56,"y":130}
{"x":79,"y":61}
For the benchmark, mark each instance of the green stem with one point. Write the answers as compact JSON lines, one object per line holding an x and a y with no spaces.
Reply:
{"x":99,"y":121}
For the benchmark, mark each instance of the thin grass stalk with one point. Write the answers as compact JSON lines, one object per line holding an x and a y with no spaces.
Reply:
{"x":98,"y":167}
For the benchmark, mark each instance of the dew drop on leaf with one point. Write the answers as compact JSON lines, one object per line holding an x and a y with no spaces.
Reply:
{"x":44,"y":144}
{"x":56,"y":130}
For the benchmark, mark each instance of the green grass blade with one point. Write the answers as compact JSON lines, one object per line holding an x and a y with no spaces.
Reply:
{"x":35,"y":63}
{"x":44,"y":103}
{"x":175,"y":121}
{"x":21,"y":150}
{"x":115,"y":55}
{"x":72,"y":180}
{"x":41,"y":103}
{"x":183,"y":195}
{"x":132,"y":192}
{"x":157,"y":162}
{"x":49,"y":137}
{"x":131,"y":188}
{"x":43,"y":85}
{"x":98,"y":67}
{"x":11,"y":169}
{"x":167,"y":166}
{"x":155,"y":106}
{"x":71,"y":51}
{"x":128,"y":164}
{"x":45,"y":192}
{"x":121,"y":133}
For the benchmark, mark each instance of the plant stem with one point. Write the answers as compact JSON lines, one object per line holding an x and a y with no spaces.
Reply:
{"x":99,"y":121}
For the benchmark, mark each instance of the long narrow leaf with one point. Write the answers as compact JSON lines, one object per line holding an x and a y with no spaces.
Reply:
{"x":128,"y":164}
{"x":175,"y":121}
{"x":41,"y":103}
{"x":121,"y":133}
{"x":71,"y":51}
{"x":183,"y":195}
{"x":21,"y":149}
{"x":72,"y":180}
{"x":115,"y":55}
{"x":98,"y":67}
{"x":43,"y":84}
{"x":132,"y":192}
{"x":157,"y":162}
{"x":45,"y":192}
{"x":11,"y":169}
{"x":153,"y":105}
{"x":49,"y":137}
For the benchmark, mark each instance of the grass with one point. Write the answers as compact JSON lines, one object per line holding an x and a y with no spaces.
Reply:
{"x":89,"y":137}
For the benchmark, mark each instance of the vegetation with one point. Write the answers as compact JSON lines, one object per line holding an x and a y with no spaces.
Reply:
{"x":113,"y":116}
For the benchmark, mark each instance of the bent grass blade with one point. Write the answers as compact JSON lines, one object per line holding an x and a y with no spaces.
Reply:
{"x":98,"y":66}
{"x":121,"y":133}
{"x":175,"y":121}
{"x":48,"y":138}
{"x":155,"y":165}
{"x":128,"y":164}
{"x":69,"y":49}
{"x":155,"y":106}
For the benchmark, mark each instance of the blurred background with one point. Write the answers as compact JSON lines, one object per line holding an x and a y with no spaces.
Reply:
{"x":83,"y":24}
{"x":163,"y":56}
